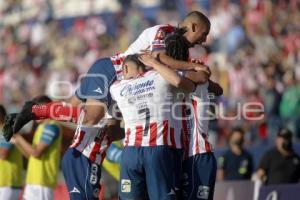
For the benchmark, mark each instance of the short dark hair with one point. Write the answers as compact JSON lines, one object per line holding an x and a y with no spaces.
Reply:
{"x":236,"y":129}
{"x":199,"y":16}
{"x":42,"y":99}
{"x":2,"y":113}
{"x":134,"y":58}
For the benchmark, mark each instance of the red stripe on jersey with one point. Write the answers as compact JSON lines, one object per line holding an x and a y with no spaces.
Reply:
{"x":172,"y":137}
{"x":127,"y":134}
{"x":119,"y":71}
{"x":207,"y":145}
{"x":95,"y":150}
{"x":78,"y":139}
{"x":153,"y":134}
{"x":165,"y":132}
{"x":138,"y":136}
{"x":196,"y":122}
{"x":116,"y":62}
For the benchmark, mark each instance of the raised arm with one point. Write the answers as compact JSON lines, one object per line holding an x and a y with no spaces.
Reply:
{"x":170,"y":75}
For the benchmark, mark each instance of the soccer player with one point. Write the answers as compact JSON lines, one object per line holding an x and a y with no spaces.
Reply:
{"x":44,"y":157}
{"x":151,"y":158}
{"x":94,"y":93}
{"x":11,"y":167}
{"x":199,"y":166}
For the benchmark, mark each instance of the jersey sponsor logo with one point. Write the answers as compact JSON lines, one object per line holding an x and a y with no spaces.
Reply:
{"x":98,"y":90}
{"x":203,"y":192}
{"x":75,"y":190}
{"x":125,"y":185}
{"x":137,"y":88}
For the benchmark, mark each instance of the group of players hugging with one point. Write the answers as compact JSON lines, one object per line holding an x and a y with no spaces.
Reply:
{"x":163,"y":97}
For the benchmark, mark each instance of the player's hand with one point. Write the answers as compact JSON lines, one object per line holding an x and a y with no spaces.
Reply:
{"x":8,"y":126}
{"x":197,"y":61}
{"x":202,"y":67}
{"x":148,"y":60}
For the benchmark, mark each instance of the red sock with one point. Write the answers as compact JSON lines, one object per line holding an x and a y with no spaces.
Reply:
{"x":56,"y":110}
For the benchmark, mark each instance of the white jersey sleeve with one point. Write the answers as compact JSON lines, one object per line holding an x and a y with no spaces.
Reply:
{"x":150,"y":39}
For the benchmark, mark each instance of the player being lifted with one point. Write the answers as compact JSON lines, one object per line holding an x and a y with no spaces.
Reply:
{"x":89,"y":145}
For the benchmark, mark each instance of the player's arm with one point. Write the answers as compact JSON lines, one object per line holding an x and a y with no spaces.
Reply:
{"x":260,"y":174}
{"x":114,"y":153}
{"x":177,"y":64}
{"x":114,"y":130}
{"x":198,"y":77}
{"x":169,"y":74}
{"x":263,"y":167}
{"x":94,"y":111}
{"x":50,"y":133}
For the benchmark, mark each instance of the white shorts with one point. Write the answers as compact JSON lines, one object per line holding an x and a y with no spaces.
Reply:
{"x":38,"y":192}
{"x":9,"y":193}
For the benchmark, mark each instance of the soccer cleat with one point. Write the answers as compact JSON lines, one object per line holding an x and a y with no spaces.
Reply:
{"x":24,"y":116}
{"x":8,"y":126}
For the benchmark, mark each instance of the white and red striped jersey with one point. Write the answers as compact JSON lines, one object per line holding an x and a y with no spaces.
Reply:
{"x":151,"y":39}
{"x":92,"y":142}
{"x":146,"y":105}
{"x":197,"y":128}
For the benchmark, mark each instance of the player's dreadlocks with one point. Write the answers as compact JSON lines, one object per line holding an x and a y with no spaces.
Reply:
{"x":177,"y":46}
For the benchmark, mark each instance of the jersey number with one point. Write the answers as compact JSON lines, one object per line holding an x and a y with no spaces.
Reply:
{"x":147,"y":119}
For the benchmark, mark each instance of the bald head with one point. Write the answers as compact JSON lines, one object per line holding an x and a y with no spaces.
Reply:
{"x":197,"y":26}
{"x":197,"y":17}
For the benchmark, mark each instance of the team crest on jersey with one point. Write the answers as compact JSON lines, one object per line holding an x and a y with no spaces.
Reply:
{"x":125,"y":185}
{"x":203,"y":192}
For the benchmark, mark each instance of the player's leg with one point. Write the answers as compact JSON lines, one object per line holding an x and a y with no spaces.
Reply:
{"x":94,"y":86}
{"x":132,"y":175}
{"x":37,"y":192}
{"x":47,"y":193}
{"x":199,"y":177}
{"x":82,"y":177}
{"x":163,"y":171}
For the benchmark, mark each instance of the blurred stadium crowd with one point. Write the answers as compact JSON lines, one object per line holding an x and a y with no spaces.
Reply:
{"x":253,"y":50}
